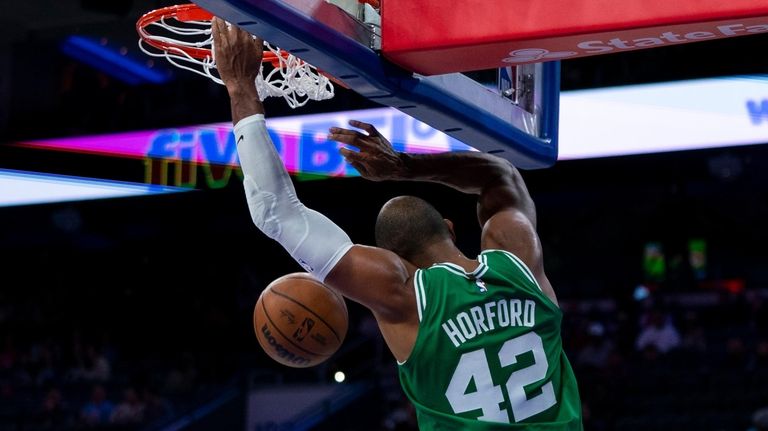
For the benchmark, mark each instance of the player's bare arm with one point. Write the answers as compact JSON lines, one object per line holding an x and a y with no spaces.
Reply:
{"x":469,"y":172}
{"x":505,"y":211}
{"x":372,"y":276}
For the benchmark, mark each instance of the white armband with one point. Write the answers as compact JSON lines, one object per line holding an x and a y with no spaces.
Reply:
{"x":312,"y":239}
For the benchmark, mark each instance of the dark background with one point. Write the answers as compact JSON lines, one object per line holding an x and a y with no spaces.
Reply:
{"x":162,"y":288}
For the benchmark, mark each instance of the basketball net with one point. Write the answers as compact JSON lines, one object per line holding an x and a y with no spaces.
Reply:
{"x":182,"y":35}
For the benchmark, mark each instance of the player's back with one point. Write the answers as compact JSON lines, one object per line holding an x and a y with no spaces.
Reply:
{"x":488,"y":354}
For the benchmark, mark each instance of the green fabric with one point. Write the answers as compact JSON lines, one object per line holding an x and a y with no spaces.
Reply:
{"x":496,"y":336}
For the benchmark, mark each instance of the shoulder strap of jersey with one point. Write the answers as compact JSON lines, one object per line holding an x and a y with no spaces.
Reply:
{"x":515,"y":262}
{"x":458,"y":270}
{"x":418,"y":287}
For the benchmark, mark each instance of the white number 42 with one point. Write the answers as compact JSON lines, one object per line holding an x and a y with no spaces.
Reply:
{"x":488,"y":397}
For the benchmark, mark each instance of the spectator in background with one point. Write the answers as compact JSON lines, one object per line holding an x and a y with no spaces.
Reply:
{"x":46,"y":371}
{"x":98,"y":411}
{"x":760,"y":360}
{"x":735,"y":354}
{"x":760,"y":420}
{"x":156,"y":407}
{"x":53,"y":411}
{"x":758,"y":313}
{"x":96,"y":367}
{"x":180,"y":380}
{"x":693,"y":338}
{"x":598,"y":348}
{"x":659,"y":333}
{"x":402,"y":417}
{"x":130,"y":411}
{"x":7,"y":354}
{"x":6,"y":391}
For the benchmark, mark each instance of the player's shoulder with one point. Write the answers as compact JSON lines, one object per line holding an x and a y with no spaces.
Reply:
{"x":500,"y":258}
{"x":509,"y":219}
{"x":514,"y":232}
{"x":499,"y":254}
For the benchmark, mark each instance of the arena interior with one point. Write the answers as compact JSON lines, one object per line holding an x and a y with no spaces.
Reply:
{"x":135,"y":312}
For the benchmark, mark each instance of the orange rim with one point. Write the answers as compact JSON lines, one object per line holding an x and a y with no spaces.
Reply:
{"x":185,"y":13}
{"x":192,"y":12}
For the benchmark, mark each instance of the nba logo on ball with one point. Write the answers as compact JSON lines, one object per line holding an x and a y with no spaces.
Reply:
{"x":304,"y":329}
{"x":299,"y":321}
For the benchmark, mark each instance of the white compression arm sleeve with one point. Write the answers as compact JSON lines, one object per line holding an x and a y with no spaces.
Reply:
{"x":310,"y":237}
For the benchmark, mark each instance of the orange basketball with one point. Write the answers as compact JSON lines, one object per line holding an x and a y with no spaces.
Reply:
{"x":299,"y":321}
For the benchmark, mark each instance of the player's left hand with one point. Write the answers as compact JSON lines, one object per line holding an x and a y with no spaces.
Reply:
{"x":236,"y":52}
{"x":376,"y":160}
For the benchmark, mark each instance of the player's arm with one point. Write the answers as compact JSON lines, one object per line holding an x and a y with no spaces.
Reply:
{"x":505,"y":209}
{"x":497,"y":183}
{"x":374,"y":277}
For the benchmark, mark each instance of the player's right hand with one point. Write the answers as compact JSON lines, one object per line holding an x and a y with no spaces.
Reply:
{"x":375,"y":159}
{"x":237,"y":53}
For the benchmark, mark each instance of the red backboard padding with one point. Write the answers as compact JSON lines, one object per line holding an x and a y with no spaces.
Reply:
{"x":444,"y":36}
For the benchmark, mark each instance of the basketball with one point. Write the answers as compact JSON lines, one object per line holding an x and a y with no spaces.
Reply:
{"x":299,"y":321}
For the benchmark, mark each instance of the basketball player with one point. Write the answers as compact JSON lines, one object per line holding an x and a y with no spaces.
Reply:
{"x":477,"y":340}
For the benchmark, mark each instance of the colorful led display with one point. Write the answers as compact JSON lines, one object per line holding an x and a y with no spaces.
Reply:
{"x":604,"y":122}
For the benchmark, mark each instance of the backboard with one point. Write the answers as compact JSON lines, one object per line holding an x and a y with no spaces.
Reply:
{"x":517,"y":121}
{"x":472,"y":35}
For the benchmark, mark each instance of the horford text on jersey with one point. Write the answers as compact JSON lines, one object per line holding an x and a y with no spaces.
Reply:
{"x":489,"y":317}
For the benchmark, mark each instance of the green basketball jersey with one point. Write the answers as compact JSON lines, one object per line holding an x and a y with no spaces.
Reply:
{"x":488,"y":354}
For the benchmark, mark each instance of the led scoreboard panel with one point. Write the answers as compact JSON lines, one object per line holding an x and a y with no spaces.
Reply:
{"x":616,"y":121}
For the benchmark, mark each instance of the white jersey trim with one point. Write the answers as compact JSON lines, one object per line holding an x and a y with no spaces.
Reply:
{"x":418,"y":287}
{"x":521,"y":265}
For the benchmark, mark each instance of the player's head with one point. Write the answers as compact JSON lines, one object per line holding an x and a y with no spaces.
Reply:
{"x":407,"y":225}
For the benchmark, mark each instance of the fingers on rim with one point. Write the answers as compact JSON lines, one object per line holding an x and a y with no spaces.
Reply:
{"x":219,"y":31}
{"x":216,"y":24}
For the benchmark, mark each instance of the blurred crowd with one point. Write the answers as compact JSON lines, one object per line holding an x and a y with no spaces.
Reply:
{"x":52,"y":384}
{"x":95,"y":369}
{"x":696,"y":361}
{"x":691,"y":359}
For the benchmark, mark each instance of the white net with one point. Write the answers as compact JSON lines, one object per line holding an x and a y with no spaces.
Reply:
{"x":293,"y":79}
